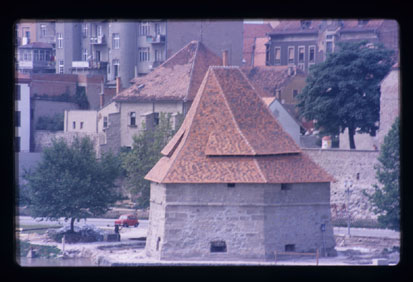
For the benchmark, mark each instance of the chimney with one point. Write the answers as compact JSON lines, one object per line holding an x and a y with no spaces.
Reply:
{"x":101,"y":95}
{"x":225,"y":58}
{"x":118,"y":85}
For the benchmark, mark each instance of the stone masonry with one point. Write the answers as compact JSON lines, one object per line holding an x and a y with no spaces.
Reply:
{"x":253,"y":220}
{"x":355,"y":165}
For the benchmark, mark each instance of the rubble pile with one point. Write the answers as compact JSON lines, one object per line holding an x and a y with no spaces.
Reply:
{"x":86,"y":233}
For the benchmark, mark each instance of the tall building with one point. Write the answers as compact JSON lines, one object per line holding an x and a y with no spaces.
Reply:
{"x":127,"y":49}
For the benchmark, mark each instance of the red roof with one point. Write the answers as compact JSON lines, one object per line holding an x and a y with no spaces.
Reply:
{"x":177,"y":79}
{"x":230,"y":136}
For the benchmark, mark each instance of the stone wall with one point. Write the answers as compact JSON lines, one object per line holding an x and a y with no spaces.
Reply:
{"x":43,"y":138}
{"x":253,"y":220}
{"x":355,"y":165}
{"x":110,"y":141}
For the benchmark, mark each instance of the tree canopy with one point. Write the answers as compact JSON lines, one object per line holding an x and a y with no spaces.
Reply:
{"x":344,"y":91}
{"x":71,"y":182}
{"x":145,"y":153}
{"x":386,"y":199}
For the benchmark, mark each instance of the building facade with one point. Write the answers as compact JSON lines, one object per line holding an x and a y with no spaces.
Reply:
{"x":36,"y":57}
{"x":232,"y":185}
{"x":22,"y":119}
{"x":306,"y":42}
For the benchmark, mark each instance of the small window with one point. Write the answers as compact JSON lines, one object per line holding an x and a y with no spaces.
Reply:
{"x":277,"y":55}
{"x":156,"y":118}
{"x":301,"y":50}
{"x":289,"y":248}
{"x":358,"y":176}
{"x":295,"y":93}
{"x":311,"y":54}
{"x":218,"y":247}
{"x":115,"y":41}
{"x":230,"y":185}
{"x":132,"y":119}
{"x":59,"y":40}
{"x":43,"y":30}
{"x":105,"y":122}
{"x":290,"y":55}
{"x":285,"y":186}
{"x":74,"y":125}
{"x":81,"y":125}
{"x":157,"y":243}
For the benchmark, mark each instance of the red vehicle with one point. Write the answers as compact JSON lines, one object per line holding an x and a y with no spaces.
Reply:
{"x":127,"y":220}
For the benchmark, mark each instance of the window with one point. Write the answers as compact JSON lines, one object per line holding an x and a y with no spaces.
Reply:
{"x":144,"y":54}
{"x":289,"y":248}
{"x":17,"y":117}
{"x":17,"y":93}
{"x":290,"y":55}
{"x":115,"y":64}
{"x":115,"y":41}
{"x":157,"y":243}
{"x":285,"y":186}
{"x":157,"y":28}
{"x":156,"y":118}
{"x":81,"y":125}
{"x":17,"y":144}
{"x":311,"y":54}
{"x":61,"y":66}
{"x":158,"y":55}
{"x":144,"y":28}
{"x":41,"y":55}
{"x":74,"y":125}
{"x":301,"y":50}
{"x":99,"y":31}
{"x":132,"y":119}
{"x":35,"y":55}
{"x":329,"y":47}
{"x":105,"y":122}
{"x":277,"y":55}
{"x":218,"y":247}
{"x":84,"y":54}
{"x":43,"y":30}
{"x":84,"y":29}
{"x":230,"y":185}
{"x":59,"y":40}
{"x":295,"y":93}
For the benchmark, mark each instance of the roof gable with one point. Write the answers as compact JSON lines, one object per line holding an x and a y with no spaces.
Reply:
{"x":229,"y":135}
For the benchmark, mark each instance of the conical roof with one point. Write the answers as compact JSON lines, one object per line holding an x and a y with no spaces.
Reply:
{"x":229,"y":136}
{"x":177,"y":79}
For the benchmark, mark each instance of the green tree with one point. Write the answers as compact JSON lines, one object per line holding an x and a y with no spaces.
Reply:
{"x":81,"y":98}
{"x":145,"y":153}
{"x":344,"y":91}
{"x":71,"y":182}
{"x":386,"y":199}
{"x":54,"y":123}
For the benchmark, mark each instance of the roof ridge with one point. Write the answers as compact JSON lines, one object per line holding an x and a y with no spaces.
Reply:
{"x":232,"y":115}
{"x":177,"y":52}
{"x":192,"y":71}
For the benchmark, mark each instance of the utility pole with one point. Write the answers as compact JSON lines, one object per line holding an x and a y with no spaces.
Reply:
{"x":348,"y":184}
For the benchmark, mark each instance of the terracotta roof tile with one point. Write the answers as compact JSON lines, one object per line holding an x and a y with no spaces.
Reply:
{"x":177,"y":79}
{"x":229,"y":135}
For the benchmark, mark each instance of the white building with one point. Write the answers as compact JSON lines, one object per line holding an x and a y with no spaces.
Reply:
{"x":22,"y":113}
{"x":80,"y":121}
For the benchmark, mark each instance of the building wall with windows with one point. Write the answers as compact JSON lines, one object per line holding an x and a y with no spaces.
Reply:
{"x":80,"y":121}
{"x":22,"y":119}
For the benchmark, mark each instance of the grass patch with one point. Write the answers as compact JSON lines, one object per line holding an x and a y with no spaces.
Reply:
{"x":359,"y":223}
{"x":23,"y":247}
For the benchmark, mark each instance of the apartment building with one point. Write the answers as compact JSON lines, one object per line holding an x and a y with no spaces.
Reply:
{"x":306,"y":42}
{"x":128,"y":49}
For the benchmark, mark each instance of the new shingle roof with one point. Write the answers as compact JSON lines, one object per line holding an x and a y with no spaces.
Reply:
{"x":230,"y":136}
{"x":177,"y":79}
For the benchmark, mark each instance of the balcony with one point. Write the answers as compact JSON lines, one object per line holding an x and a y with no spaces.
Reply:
{"x":91,"y":64}
{"x":156,"y":39}
{"x":98,"y":40}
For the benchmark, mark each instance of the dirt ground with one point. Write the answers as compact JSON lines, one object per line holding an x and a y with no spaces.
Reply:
{"x":355,"y":250}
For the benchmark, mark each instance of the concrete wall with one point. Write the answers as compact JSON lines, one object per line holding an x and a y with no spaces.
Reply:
{"x":80,"y":121}
{"x":287,"y":121}
{"x":355,"y":165}
{"x":254,"y":220}
{"x":217,"y":35}
{"x":23,"y":106}
{"x":43,"y":138}
{"x":363,"y":141}
{"x":110,"y":139}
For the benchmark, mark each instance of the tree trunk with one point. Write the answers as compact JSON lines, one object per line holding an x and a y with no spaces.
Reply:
{"x":72,"y":221}
{"x":351,"y":132}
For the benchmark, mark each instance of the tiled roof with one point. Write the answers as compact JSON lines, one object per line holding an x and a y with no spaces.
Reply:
{"x":177,"y":79}
{"x":268,"y":78}
{"x":230,"y":136}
